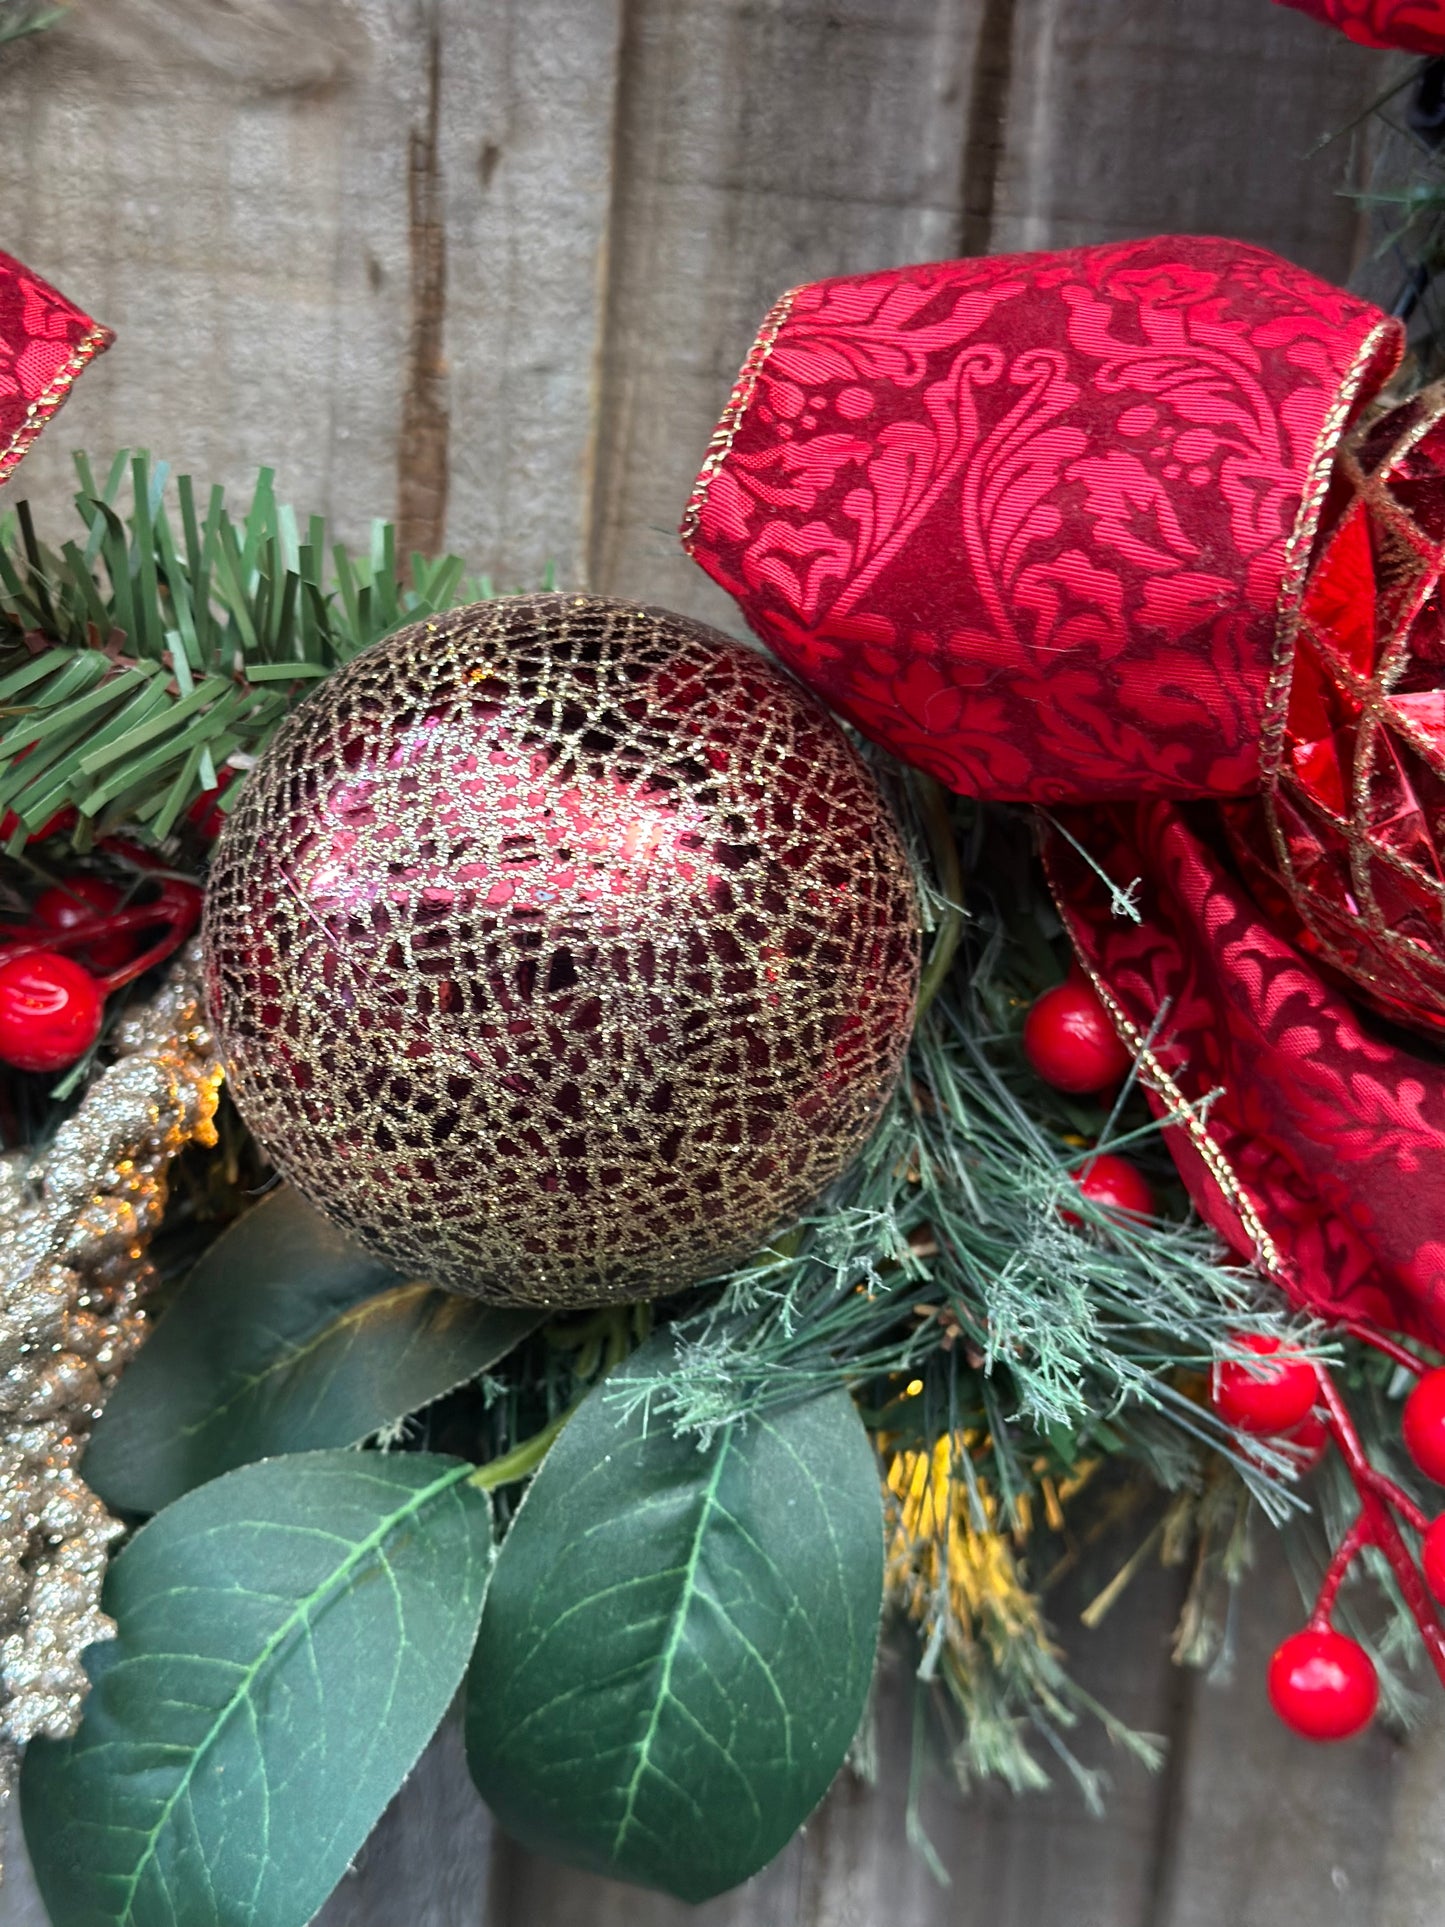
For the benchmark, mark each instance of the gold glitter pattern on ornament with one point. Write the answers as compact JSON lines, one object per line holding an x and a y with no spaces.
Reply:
{"x":74,"y":1225}
{"x":561,"y":949}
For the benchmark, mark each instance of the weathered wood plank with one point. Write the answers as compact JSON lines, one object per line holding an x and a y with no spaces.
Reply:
{"x":248,"y":209}
{"x":304,"y":243}
{"x":1126,"y":119}
{"x":20,"y":1902}
{"x":1412,"y":1879}
{"x":758,"y":146}
{"x":1266,"y":1828}
{"x":427,"y":1864}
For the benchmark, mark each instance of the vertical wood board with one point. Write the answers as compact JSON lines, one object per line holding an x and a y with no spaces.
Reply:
{"x":758,"y":146}
{"x":248,"y":231}
{"x":1267,"y":1829}
{"x":1133,"y":117}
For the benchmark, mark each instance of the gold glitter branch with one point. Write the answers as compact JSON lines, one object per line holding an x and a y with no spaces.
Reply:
{"x":74,"y":1226}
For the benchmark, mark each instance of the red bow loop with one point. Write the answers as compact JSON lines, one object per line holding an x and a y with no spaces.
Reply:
{"x":1028,"y":520}
{"x":1414,"y":26}
{"x":45,"y":343}
{"x":1111,"y":529}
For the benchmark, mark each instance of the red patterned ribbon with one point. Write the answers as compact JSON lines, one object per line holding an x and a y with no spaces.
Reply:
{"x":1028,"y":520}
{"x":1416,"y":26}
{"x":1310,"y":1138}
{"x":45,"y":342}
{"x":1085,"y":528}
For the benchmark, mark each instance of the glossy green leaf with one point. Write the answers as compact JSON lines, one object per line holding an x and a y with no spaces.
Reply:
{"x":678,"y":1642}
{"x":289,"y":1637}
{"x":284,"y":1339}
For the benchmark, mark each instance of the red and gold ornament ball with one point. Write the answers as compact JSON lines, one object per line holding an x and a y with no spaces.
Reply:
{"x":561,"y":950}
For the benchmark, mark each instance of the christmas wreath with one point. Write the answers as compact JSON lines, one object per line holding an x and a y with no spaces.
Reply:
{"x":631,"y":1183}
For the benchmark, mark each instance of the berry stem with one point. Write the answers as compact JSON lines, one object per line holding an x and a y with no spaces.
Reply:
{"x":174,"y":918}
{"x":174,"y":935}
{"x":1346,"y":1552}
{"x":1388,"y":1346}
{"x":1377,"y":1525}
{"x":1395,"y":1495}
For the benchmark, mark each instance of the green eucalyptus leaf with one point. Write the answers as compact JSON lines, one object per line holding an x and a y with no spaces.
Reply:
{"x":288,"y":1639}
{"x":282,"y":1341}
{"x":267,"y":1286}
{"x":678,"y":1642}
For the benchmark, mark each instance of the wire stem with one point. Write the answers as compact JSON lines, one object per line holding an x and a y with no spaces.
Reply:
{"x":1346,"y":1552}
{"x":1388,"y":1346}
{"x":1392,"y":1494}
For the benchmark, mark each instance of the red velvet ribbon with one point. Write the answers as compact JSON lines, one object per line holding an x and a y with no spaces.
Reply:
{"x":1415,"y":26}
{"x":45,"y":342}
{"x":1311,"y":1138}
{"x":1028,"y":520}
{"x":1044,"y":525}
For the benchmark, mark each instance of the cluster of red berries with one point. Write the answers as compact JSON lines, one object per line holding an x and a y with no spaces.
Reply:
{"x":1322,"y":1683}
{"x":1071,"y":1043}
{"x":83,"y":939}
{"x":52,"y":1002}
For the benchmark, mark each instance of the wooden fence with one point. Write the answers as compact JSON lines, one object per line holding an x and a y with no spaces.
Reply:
{"x":490,"y":266}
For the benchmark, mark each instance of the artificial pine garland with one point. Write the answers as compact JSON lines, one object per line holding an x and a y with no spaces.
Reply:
{"x":149,"y":652}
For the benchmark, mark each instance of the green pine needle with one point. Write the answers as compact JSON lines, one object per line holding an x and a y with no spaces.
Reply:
{"x":168,"y":638}
{"x":19,"y":18}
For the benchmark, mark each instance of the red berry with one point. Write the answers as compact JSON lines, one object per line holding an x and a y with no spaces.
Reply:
{"x":1278,"y":1399}
{"x":1070,"y":1042}
{"x":1432,"y":1557}
{"x":50,"y":1011}
{"x":1424,"y":1425}
{"x":1323,"y":1685}
{"x":1116,"y":1184}
{"x":1309,"y":1441}
{"x":63,"y":819}
{"x":1304,"y":1447}
{"x":80,"y":901}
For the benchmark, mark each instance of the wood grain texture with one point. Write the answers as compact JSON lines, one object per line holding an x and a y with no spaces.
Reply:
{"x":254,"y":247}
{"x":1128,"y":119}
{"x":758,"y":146}
{"x":20,"y":1902}
{"x":614,"y":192}
{"x":1266,"y":1829}
{"x":1412,"y":1879}
{"x":427,"y":1863}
